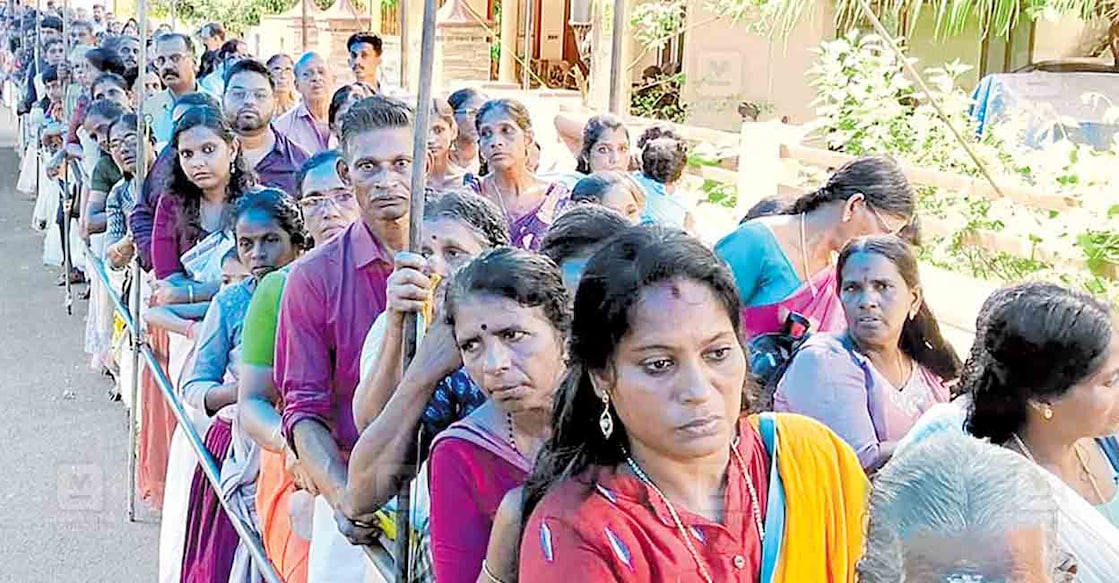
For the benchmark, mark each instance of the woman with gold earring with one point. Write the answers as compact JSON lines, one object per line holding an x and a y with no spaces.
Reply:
{"x":1044,"y":381}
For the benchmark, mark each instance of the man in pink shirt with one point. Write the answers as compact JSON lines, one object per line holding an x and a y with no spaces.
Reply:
{"x":308,"y":124}
{"x":332,"y":297}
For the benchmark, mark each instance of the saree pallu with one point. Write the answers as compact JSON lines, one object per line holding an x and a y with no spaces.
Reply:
{"x":817,"y":300}
{"x":211,"y":541}
{"x":816,"y":504}
{"x":285,"y":548}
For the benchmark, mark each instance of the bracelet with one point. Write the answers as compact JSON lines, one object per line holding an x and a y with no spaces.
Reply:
{"x":190,"y":292}
{"x":489,"y":574}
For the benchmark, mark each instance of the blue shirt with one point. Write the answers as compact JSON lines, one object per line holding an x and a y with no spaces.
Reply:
{"x":761,"y":269}
{"x":660,"y":209}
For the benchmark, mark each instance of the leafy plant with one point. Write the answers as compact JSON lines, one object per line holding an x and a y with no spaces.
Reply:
{"x":660,"y":99}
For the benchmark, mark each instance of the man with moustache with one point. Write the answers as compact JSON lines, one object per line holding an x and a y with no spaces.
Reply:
{"x":332,"y":297}
{"x":249,"y":103}
{"x":308,"y":124}
{"x":174,"y":59}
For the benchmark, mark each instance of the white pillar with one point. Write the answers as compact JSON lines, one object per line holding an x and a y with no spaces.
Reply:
{"x":759,"y":163}
{"x":507,"y":65}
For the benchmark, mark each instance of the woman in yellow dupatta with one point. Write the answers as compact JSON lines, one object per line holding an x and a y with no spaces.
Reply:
{"x":653,"y":473}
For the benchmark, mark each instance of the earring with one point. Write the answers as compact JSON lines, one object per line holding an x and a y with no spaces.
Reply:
{"x":606,"y":421}
{"x":1047,"y":413}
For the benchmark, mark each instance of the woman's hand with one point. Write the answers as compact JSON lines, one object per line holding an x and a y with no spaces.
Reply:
{"x":409,"y":287}
{"x":163,"y":293}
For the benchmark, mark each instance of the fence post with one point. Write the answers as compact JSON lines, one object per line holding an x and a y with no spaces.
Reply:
{"x":759,"y":163}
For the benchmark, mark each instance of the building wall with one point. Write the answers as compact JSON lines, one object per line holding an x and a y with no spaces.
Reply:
{"x":725,"y":64}
{"x":930,"y":51}
{"x":1066,"y":37}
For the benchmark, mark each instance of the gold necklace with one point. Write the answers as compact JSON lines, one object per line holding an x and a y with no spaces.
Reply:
{"x":1079,"y":457}
{"x":680,"y":530}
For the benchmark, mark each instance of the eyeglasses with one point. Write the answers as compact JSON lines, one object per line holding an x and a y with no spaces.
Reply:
{"x":467,"y":111}
{"x":320,"y":204}
{"x":885,"y":226}
{"x":174,"y":59}
{"x":242,"y":95}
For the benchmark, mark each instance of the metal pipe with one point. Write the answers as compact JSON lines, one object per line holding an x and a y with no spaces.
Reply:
{"x":133,"y":318}
{"x":618,"y":34}
{"x":415,"y":223}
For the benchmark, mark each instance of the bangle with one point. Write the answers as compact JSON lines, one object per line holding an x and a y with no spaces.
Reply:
{"x":190,"y":292}
{"x":489,"y":574}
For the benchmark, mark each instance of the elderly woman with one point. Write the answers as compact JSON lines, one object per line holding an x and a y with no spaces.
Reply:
{"x":529,"y":204}
{"x":652,"y":472}
{"x":933,"y":518}
{"x":871,"y":383}
{"x":509,"y":313}
{"x":783,"y":263}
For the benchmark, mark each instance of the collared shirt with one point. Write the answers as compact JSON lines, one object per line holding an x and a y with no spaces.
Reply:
{"x":118,"y":205}
{"x":605,"y":525}
{"x":300,"y":126}
{"x":332,"y":297}
{"x":217,"y":353}
{"x":159,"y":108}
{"x":280,"y":167}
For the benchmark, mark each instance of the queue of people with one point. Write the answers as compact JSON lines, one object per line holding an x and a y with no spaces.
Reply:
{"x":580,"y":403}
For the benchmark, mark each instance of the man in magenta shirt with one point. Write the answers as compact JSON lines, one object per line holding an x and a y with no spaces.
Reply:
{"x":332,"y":297}
{"x":307,"y":125}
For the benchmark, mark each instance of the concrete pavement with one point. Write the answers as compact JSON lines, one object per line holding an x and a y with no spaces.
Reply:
{"x":64,"y":454}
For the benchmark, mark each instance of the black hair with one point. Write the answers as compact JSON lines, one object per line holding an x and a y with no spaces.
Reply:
{"x":580,"y":231}
{"x":82,"y":24}
{"x":320,"y":159}
{"x":376,"y":113}
{"x":341,"y":95}
{"x":593,"y":188}
{"x":113,"y":78}
{"x":207,"y":63}
{"x":242,"y":178}
{"x":769,"y":206}
{"x":250,"y":66}
{"x":592,"y":133}
{"x":441,"y":109}
{"x":366,"y":38}
{"x":109,"y":110}
{"x":612,"y":285}
{"x":477,"y":212}
{"x":212,"y":29}
{"x":170,"y":36}
{"x":877,"y":178}
{"x":514,"y":110}
{"x":52,"y":22}
{"x":50,"y":43}
{"x":529,"y":279}
{"x":281,"y":207}
{"x":1038,"y":341}
{"x":664,"y":159}
{"x":462,"y":96}
{"x":105,"y":60}
{"x":195,"y":99}
{"x":50,"y":74}
{"x":656,"y":132}
{"x":920,"y":339}
{"x":279,"y":56}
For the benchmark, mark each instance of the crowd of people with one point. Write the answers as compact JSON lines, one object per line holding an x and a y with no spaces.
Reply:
{"x":580,"y":404}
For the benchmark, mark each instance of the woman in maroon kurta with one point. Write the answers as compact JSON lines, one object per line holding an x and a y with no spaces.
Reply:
{"x":207,"y":181}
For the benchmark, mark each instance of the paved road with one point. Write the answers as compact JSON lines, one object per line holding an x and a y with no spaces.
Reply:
{"x":63,"y":444}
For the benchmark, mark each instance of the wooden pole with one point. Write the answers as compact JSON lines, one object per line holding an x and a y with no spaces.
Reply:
{"x":305,"y":14}
{"x":526,"y":65}
{"x":616,"y":37}
{"x":415,"y":223}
